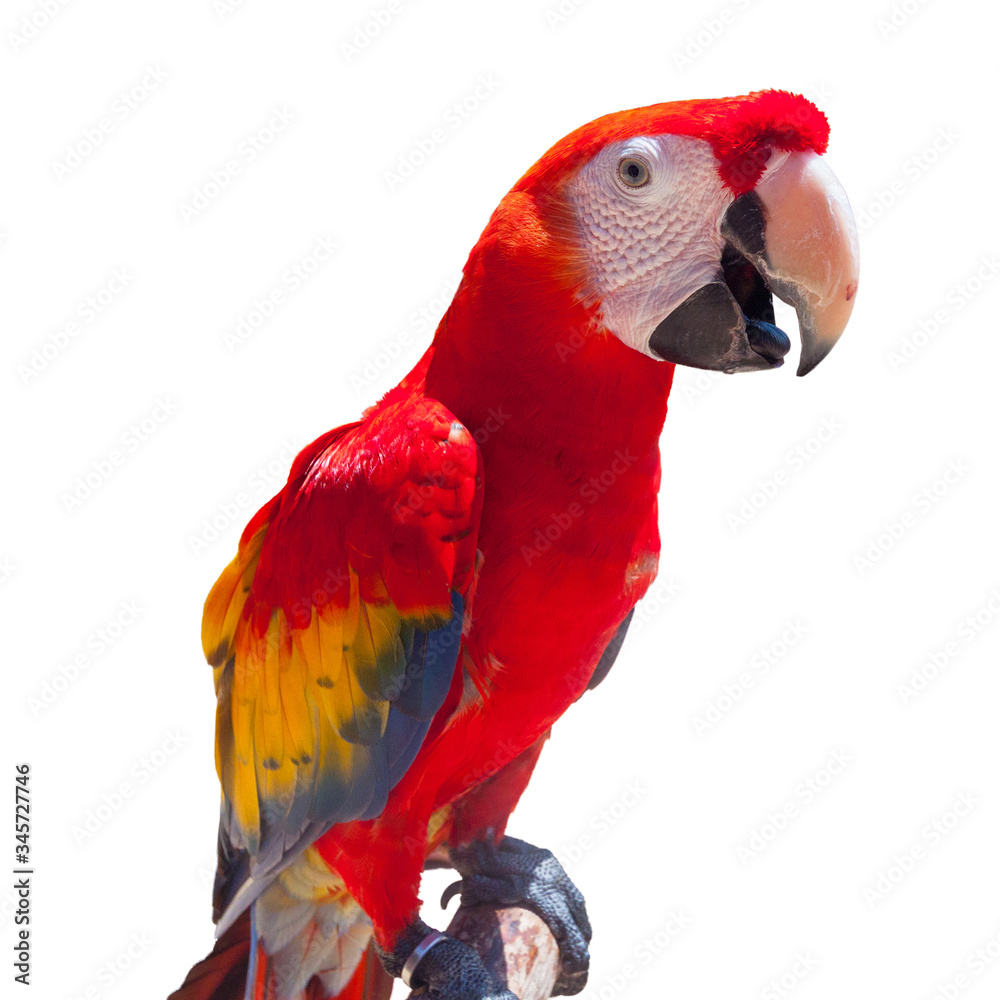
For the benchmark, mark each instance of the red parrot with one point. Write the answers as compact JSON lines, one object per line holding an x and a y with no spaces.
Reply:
{"x":439,"y":581}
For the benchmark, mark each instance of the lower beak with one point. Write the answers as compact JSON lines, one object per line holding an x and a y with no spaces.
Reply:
{"x":797,"y":228}
{"x":793,"y":236}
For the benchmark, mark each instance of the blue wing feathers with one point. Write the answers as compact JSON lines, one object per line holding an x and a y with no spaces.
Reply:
{"x":430,"y":665}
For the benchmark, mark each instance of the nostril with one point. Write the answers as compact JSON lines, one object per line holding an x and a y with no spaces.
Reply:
{"x":767,"y":340}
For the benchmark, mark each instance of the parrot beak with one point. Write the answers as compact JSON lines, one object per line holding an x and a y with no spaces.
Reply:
{"x":797,"y":228}
{"x":793,"y":236}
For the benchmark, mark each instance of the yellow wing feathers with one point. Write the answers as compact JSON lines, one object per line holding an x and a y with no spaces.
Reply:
{"x":298,"y":707}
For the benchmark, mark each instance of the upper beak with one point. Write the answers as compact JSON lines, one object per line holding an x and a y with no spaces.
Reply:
{"x":797,"y":228}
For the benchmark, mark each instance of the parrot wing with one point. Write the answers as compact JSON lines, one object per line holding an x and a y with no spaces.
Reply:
{"x":335,"y":632}
{"x":610,"y":654}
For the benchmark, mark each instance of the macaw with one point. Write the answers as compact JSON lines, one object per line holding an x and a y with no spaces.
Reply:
{"x":439,"y":581}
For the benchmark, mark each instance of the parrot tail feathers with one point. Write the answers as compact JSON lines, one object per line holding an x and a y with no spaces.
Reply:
{"x":312,"y":951}
{"x":221,"y":975}
{"x":239,"y":969}
{"x":369,"y":982}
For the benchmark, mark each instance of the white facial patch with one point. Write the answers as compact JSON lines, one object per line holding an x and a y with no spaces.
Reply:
{"x":649,"y":247}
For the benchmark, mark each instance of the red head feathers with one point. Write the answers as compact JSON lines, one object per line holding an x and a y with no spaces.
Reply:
{"x":740,"y":130}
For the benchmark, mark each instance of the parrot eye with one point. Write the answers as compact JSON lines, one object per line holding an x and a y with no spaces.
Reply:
{"x":633,"y":172}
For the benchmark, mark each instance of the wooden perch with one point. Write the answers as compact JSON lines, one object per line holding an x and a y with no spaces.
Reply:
{"x":516,"y":946}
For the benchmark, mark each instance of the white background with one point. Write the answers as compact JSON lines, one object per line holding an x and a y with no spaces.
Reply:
{"x":913,"y":113}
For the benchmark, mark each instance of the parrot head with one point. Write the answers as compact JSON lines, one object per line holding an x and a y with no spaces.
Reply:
{"x":675,"y":225}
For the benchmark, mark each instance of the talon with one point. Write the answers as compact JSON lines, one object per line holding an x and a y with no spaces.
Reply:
{"x":514,"y":873}
{"x":449,"y":894}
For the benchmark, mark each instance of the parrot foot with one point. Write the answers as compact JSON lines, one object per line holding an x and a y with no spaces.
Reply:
{"x":514,"y":873}
{"x":446,"y":968}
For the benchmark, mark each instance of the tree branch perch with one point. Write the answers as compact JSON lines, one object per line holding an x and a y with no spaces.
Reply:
{"x":516,"y":946}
